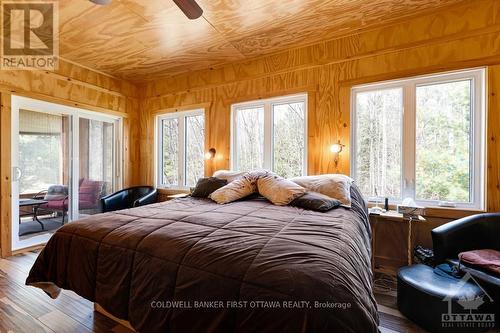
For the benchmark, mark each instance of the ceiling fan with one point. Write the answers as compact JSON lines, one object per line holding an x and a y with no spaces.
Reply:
{"x":189,"y":7}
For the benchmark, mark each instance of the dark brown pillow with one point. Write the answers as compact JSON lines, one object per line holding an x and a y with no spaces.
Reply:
{"x":316,"y":201}
{"x":205,"y":186}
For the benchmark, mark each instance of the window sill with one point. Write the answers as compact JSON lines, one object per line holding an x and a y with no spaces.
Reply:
{"x":448,"y":212}
{"x":165,"y":193}
{"x":442,"y":212}
{"x":173,"y":190}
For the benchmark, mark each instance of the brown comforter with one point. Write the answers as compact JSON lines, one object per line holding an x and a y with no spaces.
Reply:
{"x":191,"y":265}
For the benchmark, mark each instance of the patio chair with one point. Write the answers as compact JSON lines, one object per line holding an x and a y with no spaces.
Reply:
{"x":89,"y":195}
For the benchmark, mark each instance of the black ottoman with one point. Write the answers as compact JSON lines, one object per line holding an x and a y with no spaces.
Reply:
{"x":438,"y":303}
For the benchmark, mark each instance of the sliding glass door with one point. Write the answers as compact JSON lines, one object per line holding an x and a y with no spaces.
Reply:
{"x":96,"y":164}
{"x":64,"y":161}
{"x":42,"y":171}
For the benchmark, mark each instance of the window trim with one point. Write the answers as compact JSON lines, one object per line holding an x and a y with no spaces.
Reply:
{"x":181,"y":117}
{"x":408,"y":146}
{"x":268,"y":104}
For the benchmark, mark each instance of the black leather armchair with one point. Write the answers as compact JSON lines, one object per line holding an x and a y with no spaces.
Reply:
{"x":130,"y":197}
{"x":425,"y":294}
{"x":474,"y":232}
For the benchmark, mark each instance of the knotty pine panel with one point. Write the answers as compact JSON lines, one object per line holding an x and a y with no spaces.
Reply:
{"x":5,"y":176}
{"x":493,"y":141}
{"x":144,"y":40}
{"x":464,"y":36}
{"x":468,"y":19}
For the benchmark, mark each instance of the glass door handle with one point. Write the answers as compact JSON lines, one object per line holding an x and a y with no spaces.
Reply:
{"x":16,"y":173}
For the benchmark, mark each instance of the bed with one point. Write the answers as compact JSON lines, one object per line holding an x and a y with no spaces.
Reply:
{"x":191,"y":265}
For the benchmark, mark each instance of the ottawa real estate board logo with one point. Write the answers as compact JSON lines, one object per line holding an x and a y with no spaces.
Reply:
{"x":30,"y":35}
{"x":472,"y":309}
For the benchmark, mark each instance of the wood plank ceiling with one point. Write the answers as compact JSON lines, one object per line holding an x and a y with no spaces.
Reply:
{"x":145,"y":40}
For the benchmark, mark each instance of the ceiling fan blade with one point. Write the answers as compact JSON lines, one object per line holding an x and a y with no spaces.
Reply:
{"x":190,"y":8}
{"x":100,"y":2}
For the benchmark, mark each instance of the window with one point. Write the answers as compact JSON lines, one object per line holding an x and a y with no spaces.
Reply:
{"x":421,"y":138}
{"x":40,"y":156}
{"x":270,"y":134}
{"x":181,"y":145}
{"x":41,"y":161}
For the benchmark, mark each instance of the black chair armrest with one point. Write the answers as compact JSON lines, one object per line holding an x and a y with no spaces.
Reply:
{"x":147,"y":199}
{"x":114,"y":201}
{"x":469,"y":233}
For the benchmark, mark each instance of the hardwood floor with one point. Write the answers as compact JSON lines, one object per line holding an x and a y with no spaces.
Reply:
{"x":391,"y":320}
{"x":27,"y":309}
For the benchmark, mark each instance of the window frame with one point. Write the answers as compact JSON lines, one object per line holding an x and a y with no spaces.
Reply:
{"x":268,"y":106}
{"x":408,"y":147}
{"x":181,"y":117}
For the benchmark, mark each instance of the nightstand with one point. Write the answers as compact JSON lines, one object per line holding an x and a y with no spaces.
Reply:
{"x":393,"y":216}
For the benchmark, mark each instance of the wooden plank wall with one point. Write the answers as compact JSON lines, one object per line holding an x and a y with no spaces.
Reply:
{"x":5,"y":176}
{"x":462,"y":37}
{"x":74,"y":86}
{"x":493,"y":164}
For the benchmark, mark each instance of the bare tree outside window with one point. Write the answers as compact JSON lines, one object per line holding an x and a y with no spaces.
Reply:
{"x":195,"y":144}
{"x":170,"y":151}
{"x":288,"y":139}
{"x":182,"y":148}
{"x":271,"y":134}
{"x":422,"y":138}
{"x":378,"y":142}
{"x":249,"y":138}
{"x":443,"y":141}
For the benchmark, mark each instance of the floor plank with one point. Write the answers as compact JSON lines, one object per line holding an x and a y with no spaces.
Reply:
{"x":14,"y":319}
{"x":27,"y":309}
{"x":62,"y":323}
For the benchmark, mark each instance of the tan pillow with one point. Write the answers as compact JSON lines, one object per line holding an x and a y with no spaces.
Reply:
{"x":278,"y":190}
{"x":228,"y":175}
{"x":335,"y":186}
{"x":236,"y":189}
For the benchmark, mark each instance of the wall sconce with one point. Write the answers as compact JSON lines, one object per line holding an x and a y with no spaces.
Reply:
{"x":336,"y":149}
{"x":210,"y":154}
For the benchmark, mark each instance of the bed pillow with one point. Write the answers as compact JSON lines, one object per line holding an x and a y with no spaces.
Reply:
{"x":206,"y":186}
{"x":228,"y":175}
{"x":316,"y":201}
{"x":235,"y":190}
{"x":277,"y":189}
{"x":335,"y":186}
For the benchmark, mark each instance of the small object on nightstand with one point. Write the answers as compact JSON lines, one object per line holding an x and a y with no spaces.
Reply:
{"x":386,"y":204}
{"x":409,"y":209}
{"x":376,"y":210}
